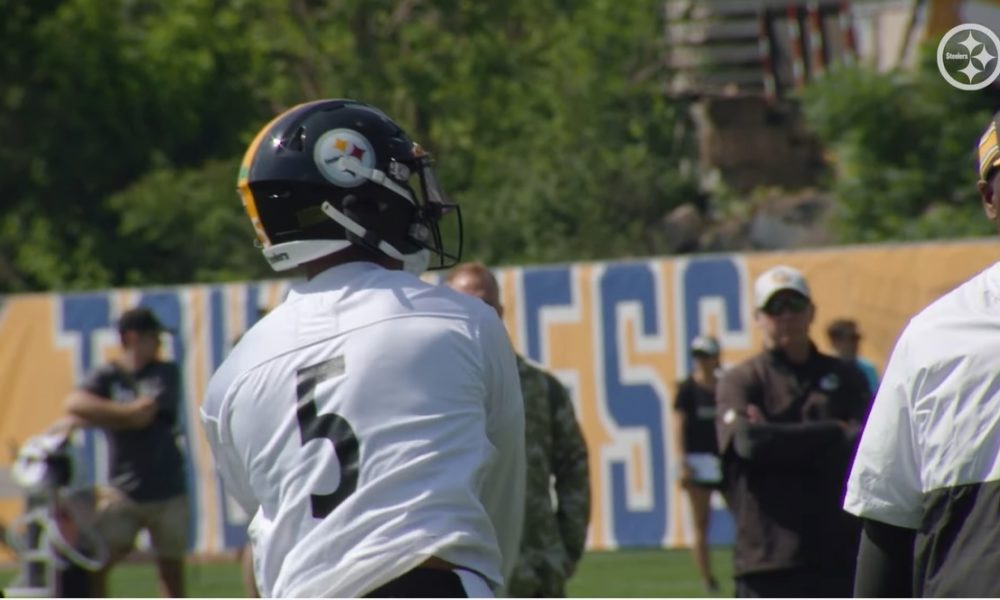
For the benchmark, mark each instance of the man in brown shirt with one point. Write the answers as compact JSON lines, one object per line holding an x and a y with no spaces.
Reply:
{"x":787,"y":423}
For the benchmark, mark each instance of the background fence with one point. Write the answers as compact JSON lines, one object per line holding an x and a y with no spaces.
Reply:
{"x":614,"y":332}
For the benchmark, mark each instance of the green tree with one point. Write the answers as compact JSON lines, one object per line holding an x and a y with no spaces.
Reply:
{"x":905,"y":146}
{"x":96,"y":94}
{"x":546,"y":116}
{"x":217,"y":242}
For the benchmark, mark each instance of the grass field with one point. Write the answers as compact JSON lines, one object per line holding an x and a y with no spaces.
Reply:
{"x":632,"y":573}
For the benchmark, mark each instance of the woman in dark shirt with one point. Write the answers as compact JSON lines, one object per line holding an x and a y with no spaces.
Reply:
{"x":696,"y":446}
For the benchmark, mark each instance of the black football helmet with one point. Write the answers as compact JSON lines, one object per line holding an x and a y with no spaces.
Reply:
{"x":326,"y":174}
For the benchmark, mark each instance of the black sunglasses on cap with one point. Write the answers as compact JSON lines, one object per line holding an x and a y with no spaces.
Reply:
{"x":793,"y":304}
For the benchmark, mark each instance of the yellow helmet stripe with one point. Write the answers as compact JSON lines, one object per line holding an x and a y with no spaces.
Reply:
{"x":242,"y":184}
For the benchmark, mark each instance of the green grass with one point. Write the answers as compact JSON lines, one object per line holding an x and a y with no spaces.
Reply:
{"x":647,"y":573}
{"x":627,"y":573}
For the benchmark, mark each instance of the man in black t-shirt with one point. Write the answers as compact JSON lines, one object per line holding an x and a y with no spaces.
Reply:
{"x":135,"y":401}
{"x":787,"y":423}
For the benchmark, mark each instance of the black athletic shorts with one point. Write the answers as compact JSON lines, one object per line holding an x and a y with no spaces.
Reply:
{"x":433,"y":583}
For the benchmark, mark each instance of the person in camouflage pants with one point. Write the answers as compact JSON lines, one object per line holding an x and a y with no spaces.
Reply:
{"x":553,"y":538}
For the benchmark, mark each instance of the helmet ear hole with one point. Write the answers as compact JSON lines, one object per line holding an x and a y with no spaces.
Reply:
{"x":350,"y":202}
{"x":420,"y":233}
{"x":376,"y":211}
{"x":365,"y":212}
{"x":361,"y":212}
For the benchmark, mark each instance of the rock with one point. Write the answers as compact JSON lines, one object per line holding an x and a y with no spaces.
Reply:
{"x":776,"y":219}
{"x":682,"y":227}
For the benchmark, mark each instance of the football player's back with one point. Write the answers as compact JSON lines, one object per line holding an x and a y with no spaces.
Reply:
{"x":357,"y":411}
{"x":373,"y":424}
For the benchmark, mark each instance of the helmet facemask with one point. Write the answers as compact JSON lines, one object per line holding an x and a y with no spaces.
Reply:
{"x":436,"y":223}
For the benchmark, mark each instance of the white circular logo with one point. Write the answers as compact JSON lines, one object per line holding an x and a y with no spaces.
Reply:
{"x":336,"y":144}
{"x":967,"y":56}
{"x":829,"y":382}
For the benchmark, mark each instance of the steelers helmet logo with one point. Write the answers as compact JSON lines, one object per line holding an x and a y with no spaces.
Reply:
{"x":336,"y":144}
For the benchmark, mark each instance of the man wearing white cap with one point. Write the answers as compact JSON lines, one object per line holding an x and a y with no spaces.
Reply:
{"x":787,"y":422}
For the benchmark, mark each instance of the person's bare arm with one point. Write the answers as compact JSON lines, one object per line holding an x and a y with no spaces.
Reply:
{"x":100,"y":412}
{"x":67,"y":424}
{"x":885,"y":561}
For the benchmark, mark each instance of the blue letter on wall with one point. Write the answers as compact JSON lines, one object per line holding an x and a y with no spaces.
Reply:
{"x":548,"y":286}
{"x":633,"y":405}
{"x":86,"y":314}
{"x":717,"y":278}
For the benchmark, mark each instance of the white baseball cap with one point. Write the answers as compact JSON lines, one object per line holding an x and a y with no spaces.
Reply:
{"x":705,"y":344}
{"x":776,"y":279}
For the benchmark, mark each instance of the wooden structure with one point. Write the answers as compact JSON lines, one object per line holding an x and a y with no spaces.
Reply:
{"x":755,"y":47}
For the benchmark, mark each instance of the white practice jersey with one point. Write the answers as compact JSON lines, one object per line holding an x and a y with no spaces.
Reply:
{"x":369,"y":422}
{"x":929,"y":458}
{"x":935,"y":423}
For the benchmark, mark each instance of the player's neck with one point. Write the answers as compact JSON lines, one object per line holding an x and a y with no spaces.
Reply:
{"x":349,"y":255}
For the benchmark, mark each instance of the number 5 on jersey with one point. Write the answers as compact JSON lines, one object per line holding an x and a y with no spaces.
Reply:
{"x":330,"y":426}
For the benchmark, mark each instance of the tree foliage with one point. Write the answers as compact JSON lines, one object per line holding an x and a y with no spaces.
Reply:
{"x":123,"y":121}
{"x":96,"y":95}
{"x":905,"y":147}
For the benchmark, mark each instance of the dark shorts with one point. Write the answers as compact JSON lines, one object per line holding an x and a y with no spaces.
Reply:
{"x":434,"y":583}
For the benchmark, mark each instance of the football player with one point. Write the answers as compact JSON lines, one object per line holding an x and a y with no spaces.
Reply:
{"x":371,"y":423}
{"x":926,"y":479}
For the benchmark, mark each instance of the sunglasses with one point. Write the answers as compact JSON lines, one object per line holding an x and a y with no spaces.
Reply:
{"x":853,"y":337}
{"x":793,"y":304}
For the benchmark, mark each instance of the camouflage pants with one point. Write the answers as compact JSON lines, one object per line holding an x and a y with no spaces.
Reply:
{"x":539,"y":582}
